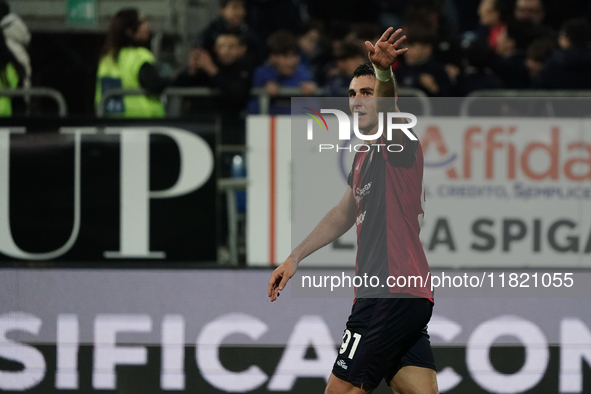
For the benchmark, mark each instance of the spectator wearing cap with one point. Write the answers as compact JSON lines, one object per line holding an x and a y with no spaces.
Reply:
{"x":283,"y":69}
{"x":420,"y":69}
{"x":348,"y":57}
{"x":232,"y":17}
{"x":509,"y":64}
{"x":569,"y":67}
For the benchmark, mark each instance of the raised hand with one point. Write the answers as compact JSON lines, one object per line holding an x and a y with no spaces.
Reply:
{"x":385,"y":52}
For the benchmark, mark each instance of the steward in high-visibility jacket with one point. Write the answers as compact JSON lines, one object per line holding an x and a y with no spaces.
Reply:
{"x":125,"y":63}
{"x":8,"y":79}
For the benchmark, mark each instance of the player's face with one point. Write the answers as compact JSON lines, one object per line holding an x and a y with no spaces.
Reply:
{"x":361,"y":100}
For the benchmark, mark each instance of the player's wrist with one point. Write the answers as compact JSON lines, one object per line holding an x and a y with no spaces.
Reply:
{"x":383,"y":75}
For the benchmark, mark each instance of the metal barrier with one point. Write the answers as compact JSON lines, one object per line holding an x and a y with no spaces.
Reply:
{"x":265,"y":99}
{"x":261,"y":93}
{"x":38,"y":92}
{"x":467,"y":101}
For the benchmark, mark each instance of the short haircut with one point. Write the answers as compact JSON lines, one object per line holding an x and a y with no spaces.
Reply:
{"x":224,"y":3}
{"x":577,"y":31}
{"x":365,"y":70}
{"x":349,"y":50}
{"x":233,"y":32}
{"x":282,"y":42}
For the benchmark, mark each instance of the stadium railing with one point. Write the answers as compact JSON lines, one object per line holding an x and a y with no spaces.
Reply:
{"x":171,"y":94}
{"x":508,"y":93}
{"x":27,"y":93}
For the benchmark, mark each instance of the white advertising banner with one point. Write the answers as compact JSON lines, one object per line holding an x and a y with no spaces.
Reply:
{"x":501,"y":192}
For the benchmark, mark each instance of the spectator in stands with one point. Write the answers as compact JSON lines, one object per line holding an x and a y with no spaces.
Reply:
{"x":537,"y":53}
{"x":11,"y":73}
{"x":493,"y":17}
{"x":17,"y":39}
{"x":232,"y":18}
{"x":126,"y":63}
{"x":476,"y":73}
{"x":230,"y":71}
{"x":509,"y":64}
{"x":420,"y":69}
{"x":313,"y":47}
{"x":283,"y":69}
{"x":348,"y":58}
{"x":531,"y":11}
{"x":569,"y":67}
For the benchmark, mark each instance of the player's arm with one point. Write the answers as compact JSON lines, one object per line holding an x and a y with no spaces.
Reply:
{"x":336,"y":223}
{"x":383,"y":55}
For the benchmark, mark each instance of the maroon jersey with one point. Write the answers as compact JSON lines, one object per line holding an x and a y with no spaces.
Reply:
{"x":388,"y":190}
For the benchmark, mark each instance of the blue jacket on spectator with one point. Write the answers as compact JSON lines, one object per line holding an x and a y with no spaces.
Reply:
{"x":268,"y":73}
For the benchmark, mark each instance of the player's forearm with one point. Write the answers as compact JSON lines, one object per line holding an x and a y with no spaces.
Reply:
{"x":385,"y":88}
{"x":331,"y":227}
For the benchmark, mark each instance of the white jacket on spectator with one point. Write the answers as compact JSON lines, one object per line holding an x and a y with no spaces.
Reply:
{"x":17,"y":39}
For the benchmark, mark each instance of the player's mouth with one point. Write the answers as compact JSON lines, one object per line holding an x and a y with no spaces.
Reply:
{"x":360,"y":114}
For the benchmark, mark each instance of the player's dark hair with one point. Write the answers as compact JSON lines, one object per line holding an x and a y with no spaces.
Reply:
{"x":577,"y":31}
{"x":365,"y":70}
{"x":125,"y":20}
{"x":282,"y":42}
{"x":224,"y":3}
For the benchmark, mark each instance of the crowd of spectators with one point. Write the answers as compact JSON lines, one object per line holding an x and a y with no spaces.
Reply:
{"x":503,"y":44}
{"x":510,"y":47}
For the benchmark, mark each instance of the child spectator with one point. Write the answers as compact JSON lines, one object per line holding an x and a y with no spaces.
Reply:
{"x":420,"y":69}
{"x":283,"y":69}
{"x":348,"y":58}
{"x":232,"y":18}
{"x":509,"y":65}
{"x":230,"y":71}
{"x":569,"y":67}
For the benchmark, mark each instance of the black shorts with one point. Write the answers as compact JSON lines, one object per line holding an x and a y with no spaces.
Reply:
{"x":382,"y":336}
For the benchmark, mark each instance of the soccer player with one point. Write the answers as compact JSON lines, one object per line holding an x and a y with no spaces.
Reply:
{"x":385,"y":337}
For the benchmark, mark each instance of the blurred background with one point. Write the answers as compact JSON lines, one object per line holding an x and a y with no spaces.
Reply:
{"x":150,"y":179}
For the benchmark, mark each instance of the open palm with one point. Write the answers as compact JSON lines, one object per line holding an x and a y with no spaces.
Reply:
{"x":385,"y":52}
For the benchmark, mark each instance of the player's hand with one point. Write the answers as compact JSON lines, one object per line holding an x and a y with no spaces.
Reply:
{"x":279,"y":278}
{"x":385,"y":52}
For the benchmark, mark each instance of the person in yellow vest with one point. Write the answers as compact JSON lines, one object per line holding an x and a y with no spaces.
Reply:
{"x":126,"y":63}
{"x":11,"y":73}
